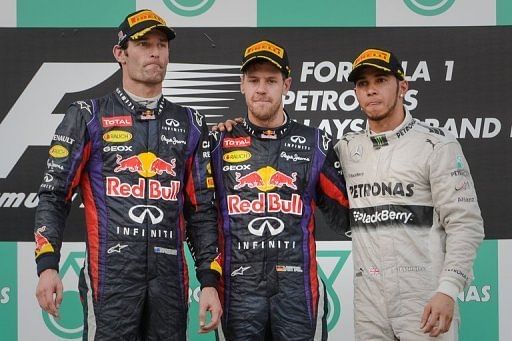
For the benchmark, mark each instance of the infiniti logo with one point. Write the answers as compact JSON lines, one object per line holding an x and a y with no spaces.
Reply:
{"x":298,"y":139}
{"x":138,"y":214}
{"x":48,"y":178}
{"x":172,"y":122}
{"x":259,"y":225}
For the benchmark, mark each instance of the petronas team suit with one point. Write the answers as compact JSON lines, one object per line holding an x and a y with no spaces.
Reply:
{"x":415,"y":222}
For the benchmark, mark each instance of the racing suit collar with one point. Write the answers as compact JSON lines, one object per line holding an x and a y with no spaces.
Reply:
{"x":384,"y":139}
{"x":266,"y":133}
{"x":135,"y":107}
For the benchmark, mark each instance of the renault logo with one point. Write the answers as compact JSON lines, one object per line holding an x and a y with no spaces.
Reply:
{"x":138,"y":214}
{"x":259,"y":225}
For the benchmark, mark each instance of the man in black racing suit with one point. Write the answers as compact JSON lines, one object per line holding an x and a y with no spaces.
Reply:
{"x":270,"y":174}
{"x":141,"y":164}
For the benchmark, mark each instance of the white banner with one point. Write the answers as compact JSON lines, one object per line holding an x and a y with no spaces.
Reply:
{"x":8,"y":13}
{"x":505,"y":287}
{"x":435,"y":13}
{"x":204,"y":13}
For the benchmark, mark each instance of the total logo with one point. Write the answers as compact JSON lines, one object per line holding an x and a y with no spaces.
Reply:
{"x":189,"y":8}
{"x":429,"y":7}
{"x":269,"y":203}
{"x":265,"y":179}
{"x":146,"y":164}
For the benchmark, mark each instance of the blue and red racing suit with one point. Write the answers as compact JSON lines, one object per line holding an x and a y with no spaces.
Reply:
{"x":144,"y":183}
{"x":268,"y":183}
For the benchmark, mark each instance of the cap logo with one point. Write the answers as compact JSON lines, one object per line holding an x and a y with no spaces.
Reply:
{"x":144,"y":16}
{"x":264,"y":46}
{"x":372,"y":54}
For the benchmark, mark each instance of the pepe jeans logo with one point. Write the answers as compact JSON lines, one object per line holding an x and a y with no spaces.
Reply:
{"x":429,"y":7}
{"x":70,"y":324}
{"x":189,"y":8}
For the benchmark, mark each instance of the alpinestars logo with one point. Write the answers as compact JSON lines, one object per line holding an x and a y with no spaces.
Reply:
{"x":381,"y":217}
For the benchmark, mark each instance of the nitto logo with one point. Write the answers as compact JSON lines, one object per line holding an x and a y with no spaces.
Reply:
{"x":189,"y":8}
{"x":429,"y":7}
{"x":70,"y":323}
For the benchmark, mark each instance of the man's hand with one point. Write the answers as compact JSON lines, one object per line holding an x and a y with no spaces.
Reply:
{"x":228,"y":125}
{"x":49,"y":291}
{"x":209,"y":301}
{"x":437,"y":315}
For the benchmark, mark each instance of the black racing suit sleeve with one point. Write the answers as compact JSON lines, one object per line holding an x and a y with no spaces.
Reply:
{"x":67,"y":155}
{"x":201,"y":214}
{"x":332,"y":197}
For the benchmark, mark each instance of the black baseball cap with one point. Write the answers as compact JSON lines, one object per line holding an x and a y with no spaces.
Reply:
{"x":138,"y":23}
{"x":270,"y":51}
{"x":377,"y":58}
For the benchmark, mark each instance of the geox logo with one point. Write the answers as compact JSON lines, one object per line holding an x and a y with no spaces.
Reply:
{"x":379,"y":141}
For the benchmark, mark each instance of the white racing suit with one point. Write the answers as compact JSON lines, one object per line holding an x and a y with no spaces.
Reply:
{"x":415,"y":223}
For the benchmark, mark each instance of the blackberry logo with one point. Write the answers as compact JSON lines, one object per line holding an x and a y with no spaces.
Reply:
{"x":189,"y":8}
{"x":382,"y":216}
{"x":429,"y":7}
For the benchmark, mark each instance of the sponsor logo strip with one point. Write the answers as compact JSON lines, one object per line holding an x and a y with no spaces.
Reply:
{"x":387,"y":215}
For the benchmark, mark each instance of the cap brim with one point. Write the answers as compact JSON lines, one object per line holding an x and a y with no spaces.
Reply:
{"x":356,"y":73}
{"x":250,"y":60}
{"x":169,"y":32}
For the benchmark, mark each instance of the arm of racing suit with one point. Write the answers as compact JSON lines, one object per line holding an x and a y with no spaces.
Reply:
{"x":200,"y":212}
{"x":456,"y":206}
{"x":332,"y":198}
{"x":69,"y":153}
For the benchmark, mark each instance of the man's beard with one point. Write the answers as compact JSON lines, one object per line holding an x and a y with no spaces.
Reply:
{"x":265,"y":114}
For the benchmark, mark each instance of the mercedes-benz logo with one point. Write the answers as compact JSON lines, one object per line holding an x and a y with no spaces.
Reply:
{"x":138,"y":214}
{"x":357,"y":153}
{"x":298,"y":139}
{"x":259,"y":225}
{"x":172,"y":122}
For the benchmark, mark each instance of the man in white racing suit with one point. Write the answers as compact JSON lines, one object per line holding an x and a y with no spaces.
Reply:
{"x":415,"y":220}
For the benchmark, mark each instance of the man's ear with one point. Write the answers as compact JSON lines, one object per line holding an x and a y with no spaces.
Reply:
{"x":119,"y":54}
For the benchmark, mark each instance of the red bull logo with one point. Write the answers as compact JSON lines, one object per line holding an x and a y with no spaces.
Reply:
{"x":146,"y":164}
{"x":160,"y":166}
{"x":265,"y":179}
{"x":265,"y":203}
{"x":42,"y":243}
{"x":251,"y":180}
{"x":155,"y":190}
